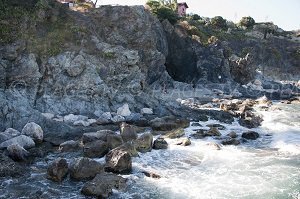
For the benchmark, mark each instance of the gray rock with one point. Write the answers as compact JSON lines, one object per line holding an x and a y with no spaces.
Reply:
{"x":124,"y":110}
{"x":114,"y":141}
{"x":118,"y":161}
{"x":175,"y":134}
{"x":8,"y":134}
{"x":231,"y":141}
{"x":147,"y":111}
{"x":168,"y":123}
{"x":218,"y":126}
{"x":160,"y":143}
{"x":84,"y":168}
{"x":69,"y":146}
{"x":76,"y":67}
{"x":143,"y":143}
{"x":232,"y":134}
{"x":128,"y":132}
{"x":118,"y":118}
{"x":250,"y":135}
{"x":10,"y":168}
{"x":22,"y":140}
{"x":17,"y":153}
{"x":96,"y":149}
{"x":213,"y":131}
{"x":71,"y":118}
{"x":57,"y":170}
{"x":129,"y":147}
{"x":101,"y":186}
{"x":183,"y":141}
{"x":34,"y":131}
{"x":214,"y":146}
{"x":99,"y":135}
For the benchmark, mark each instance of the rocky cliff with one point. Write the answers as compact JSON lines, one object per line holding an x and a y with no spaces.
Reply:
{"x":57,"y":62}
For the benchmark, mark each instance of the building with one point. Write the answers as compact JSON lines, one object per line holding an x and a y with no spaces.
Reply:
{"x":181,"y":9}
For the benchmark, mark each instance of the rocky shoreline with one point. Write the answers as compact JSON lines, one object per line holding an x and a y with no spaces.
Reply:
{"x":122,"y":141}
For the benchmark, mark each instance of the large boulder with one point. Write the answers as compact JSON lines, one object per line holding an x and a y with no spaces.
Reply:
{"x":69,"y":146}
{"x":99,"y":135}
{"x":96,"y":149}
{"x":57,"y":170}
{"x":249,"y":120}
{"x":128,"y":132}
{"x":22,"y":140}
{"x":129,"y":147}
{"x":160,"y":143}
{"x":118,"y":161}
{"x":8,"y":134}
{"x":177,"y":133}
{"x":17,"y":153}
{"x":34,"y":131}
{"x":143,"y":143}
{"x":84,"y":168}
{"x":101,"y":186}
{"x":114,"y":140}
{"x":168,"y":123}
{"x":10,"y":168}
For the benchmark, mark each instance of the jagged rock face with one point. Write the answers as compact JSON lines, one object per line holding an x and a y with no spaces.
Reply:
{"x":134,"y":28}
{"x":188,"y":61}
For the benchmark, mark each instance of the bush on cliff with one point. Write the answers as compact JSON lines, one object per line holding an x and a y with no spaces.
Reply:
{"x":219,"y":22}
{"x":163,"y":10}
{"x":247,"y":22}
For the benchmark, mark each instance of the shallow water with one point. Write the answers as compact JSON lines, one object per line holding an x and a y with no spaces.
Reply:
{"x":268,"y":167}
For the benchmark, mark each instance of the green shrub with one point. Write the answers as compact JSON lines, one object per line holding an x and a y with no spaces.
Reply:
{"x":196,"y":17}
{"x":219,"y":22}
{"x":163,"y":11}
{"x":247,"y":22}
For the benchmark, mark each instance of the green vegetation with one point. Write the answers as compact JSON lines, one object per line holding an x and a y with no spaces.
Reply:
{"x":44,"y":25}
{"x":164,"y":10}
{"x":247,"y":22}
{"x":219,"y":22}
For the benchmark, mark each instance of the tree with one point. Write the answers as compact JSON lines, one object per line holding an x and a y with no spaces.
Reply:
{"x":247,"y":22}
{"x":219,"y":22}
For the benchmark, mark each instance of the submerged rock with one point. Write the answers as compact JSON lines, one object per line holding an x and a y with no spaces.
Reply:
{"x":34,"y":131}
{"x":213,"y":146}
{"x":151,"y":174}
{"x":232,"y":134}
{"x":230,"y":141}
{"x":213,"y":131}
{"x":118,"y":161}
{"x":101,"y":186}
{"x":17,"y":153}
{"x":57,"y":170}
{"x":218,"y":126}
{"x":143,"y":143}
{"x":84,"y":168}
{"x":96,"y":149}
{"x":22,"y":140}
{"x":250,"y":135}
{"x":160,"y":143}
